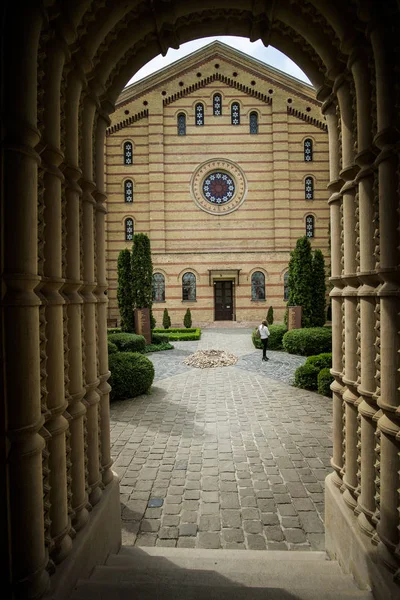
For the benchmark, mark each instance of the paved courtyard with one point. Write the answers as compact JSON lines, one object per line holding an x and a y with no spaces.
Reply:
{"x":230,"y":457}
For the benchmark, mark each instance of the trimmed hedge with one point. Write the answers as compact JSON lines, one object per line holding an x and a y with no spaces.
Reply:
{"x":321,"y":361}
{"x":128,"y":342}
{"x":324,"y":382}
{"x":113,"y":330}
{"x":275,"y":339}
{"x":112,"y":348}
{"x":181,"y":335}
{"x":158,"y":347}
{"x":176,"y":330}
{"x":307,"y":342}
{"x":131,"y":375}
{"x":306,"y":377}
{"x":159,"y":338}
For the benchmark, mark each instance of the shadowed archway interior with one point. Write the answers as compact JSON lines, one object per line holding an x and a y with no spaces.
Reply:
{"x":64,"y":65}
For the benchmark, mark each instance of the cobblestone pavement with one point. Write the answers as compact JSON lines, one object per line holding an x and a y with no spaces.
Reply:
{"x":230,"y":457}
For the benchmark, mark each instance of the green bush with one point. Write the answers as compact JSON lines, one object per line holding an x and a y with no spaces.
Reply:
{"x":306,"y":342}
{"x":158,"y":347}
{"x":306,"y":377}
{"x":187,"y":320}
{"x":159,"y":338}
{"x":324,"y":382}
{"x":131,"y":375}
{"x":166,"y":319}
{"x":275,"y":339}
{"x":112,"y":348}
{"x":128,"y":342}
{"x":113,"y":330}
{"x":321,"y":361}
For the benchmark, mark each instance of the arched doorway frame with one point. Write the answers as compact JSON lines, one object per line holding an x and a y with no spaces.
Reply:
{"x":60,"y":83}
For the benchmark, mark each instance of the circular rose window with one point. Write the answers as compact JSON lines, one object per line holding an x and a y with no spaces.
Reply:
{"x":218,"y":186}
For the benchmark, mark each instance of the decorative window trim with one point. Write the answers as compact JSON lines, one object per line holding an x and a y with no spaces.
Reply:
{"x":253,"y":123}
{"x":128,"y":152}
{"x":199,"y":114}
{"x":189,"y":287}
{"x":129,"y":225}
{"x":128,"y":191}
{"x":181,"y":123}
{"x":309,"y":188}
{"x":160,"y":288}
{"x":258,"y":293}
{"x":217,"y":104}
{"x":235,"y":113}
{"x":310,"y":226}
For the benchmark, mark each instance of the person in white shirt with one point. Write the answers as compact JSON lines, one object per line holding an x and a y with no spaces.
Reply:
{"x":264,"y":335}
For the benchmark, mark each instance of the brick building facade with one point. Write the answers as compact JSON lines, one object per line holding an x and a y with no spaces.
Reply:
{"x":223,"y":162}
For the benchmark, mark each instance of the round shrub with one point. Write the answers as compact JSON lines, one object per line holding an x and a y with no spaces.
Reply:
{"x":128,"y":342}
{"x":324,"y":382}
{"x":112,"y":348}
{"x":306,"y":377}
{"x":131,"y":375}
{"x":275,"y":339}
{"x":321,"y":361}
{"x":309,"y":341}
{"x":159,"y":338}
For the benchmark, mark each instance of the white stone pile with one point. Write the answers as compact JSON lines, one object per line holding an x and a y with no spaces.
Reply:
{"x":205,"y":359}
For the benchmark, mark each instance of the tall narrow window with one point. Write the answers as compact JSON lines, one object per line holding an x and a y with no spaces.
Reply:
{"x":258,"y":286}
{"x":309,"y":188}
{"x":286,"y":286}
{"x":309,"y":226}
{"x":308,"y":150}
{"x":158,"y":287}
{"x":128,"y":230}
{"x":189,"y":286}
{"x":199,"y":114}
{"x":253,"y":123}
{"x":235,"y":113}
{"x":217,"y":105}
{"x":128,"y":190}
{"x":181,"y":124}
{"x":128,"y":153}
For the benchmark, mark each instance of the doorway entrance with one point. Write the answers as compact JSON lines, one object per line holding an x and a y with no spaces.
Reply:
{"x":223,"y":300}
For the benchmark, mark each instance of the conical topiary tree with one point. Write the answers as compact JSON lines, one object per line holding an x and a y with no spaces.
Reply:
{"x":270,"y":316}
{"x":166,"y":319}
{"x":319,"y":289}
{"x":124,"y":291}
{"x":187,"y":320}
{"x":142,"y":272}
{"x":301,"y":287}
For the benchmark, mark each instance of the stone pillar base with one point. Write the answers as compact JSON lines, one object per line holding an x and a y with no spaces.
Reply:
{"x":352,"y":549}
{"x":99,"y":538}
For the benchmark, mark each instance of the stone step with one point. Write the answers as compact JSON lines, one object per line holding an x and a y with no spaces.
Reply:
{"x":195,"y":574}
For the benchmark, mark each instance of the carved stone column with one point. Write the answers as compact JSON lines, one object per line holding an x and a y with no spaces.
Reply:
{"x":20,"y":310}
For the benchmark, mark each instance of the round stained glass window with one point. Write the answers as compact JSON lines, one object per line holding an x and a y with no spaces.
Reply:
{"x":218,"y":188}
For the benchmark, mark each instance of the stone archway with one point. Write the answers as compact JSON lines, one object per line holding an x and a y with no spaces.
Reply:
{"x":64,"y":65}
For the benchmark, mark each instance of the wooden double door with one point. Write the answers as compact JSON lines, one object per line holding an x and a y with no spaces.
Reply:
{"x":223,"y":300}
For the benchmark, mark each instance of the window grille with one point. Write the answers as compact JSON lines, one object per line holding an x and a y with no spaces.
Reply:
{"x":128,"y":230}
{"x":181,"y":124}
{"x":308,"y":150}
{"x":199,"y":114}
{"x":217,"y":105}
{"x":253,"y":123}
{"x":258,"y":286}
{"x":309,"y":188}
{"x":235,"y":113}
{"x":310,"y":226}
{"x":128,"y":153}
{"x":189,"y":286}
{"x":158,"y":287}
{"x":128,"y":190}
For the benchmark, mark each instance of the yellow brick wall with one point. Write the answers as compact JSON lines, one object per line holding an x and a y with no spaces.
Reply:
{"x":259,"y":235}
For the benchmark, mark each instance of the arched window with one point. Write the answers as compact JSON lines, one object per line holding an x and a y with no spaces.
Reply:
{"x":128,"y":190}
{"x":235,"y":113}
{"x":286,"y":286}
{"x":309,"y":188}
{"x":258,"y":286}
{"x":158,"y":287}
{"x":199,"y":114}
{"x":189,"y":286}
{"x":309,"y":226}
{"x":308,"y":150}
{"x":128,"y":153}
{"x":181,"y":122}
{"x":128,"y":230}
{"x":253,"y":123}
{"x":217,"y":105}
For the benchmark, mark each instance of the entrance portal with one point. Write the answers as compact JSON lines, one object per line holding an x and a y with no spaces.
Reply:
{"x":223,"y":300}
